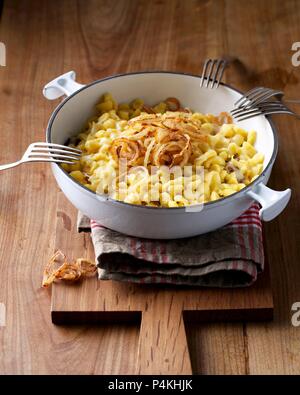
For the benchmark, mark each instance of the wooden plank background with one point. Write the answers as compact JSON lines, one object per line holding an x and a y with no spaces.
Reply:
{"x":98,"y":38}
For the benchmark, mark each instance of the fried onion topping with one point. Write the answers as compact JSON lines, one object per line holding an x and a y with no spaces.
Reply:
{"x":171,"y":135}
{"x":58,"y":268}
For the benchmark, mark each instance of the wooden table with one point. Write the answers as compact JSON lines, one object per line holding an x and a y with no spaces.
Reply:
{"x":97,"y":38}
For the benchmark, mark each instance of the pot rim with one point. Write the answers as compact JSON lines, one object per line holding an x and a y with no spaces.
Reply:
{"x":211,"y":204}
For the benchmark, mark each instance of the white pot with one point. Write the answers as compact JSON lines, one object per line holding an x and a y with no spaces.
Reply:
{"x":150,"y":222}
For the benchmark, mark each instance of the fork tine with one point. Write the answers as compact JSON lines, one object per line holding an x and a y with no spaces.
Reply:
{"x":247,"y":116}
{"x":280,"y":111}
{"x":238,"y":109}
{"x":245,"y":96}
{"x":243,"y":112}
{"x":49,"y":160}
{"x":271,"y":104}
{"x":207,"y":61}
{"x":49,"y":145}
{"x":254,"y":113}
{"x":251,"y":99}
{"x":248,"y":96}
{"x":260,"y":92}
{"x":261,"y":106}
{"x":223,"y":65}
{"x":267,"y":95}
{"x":53,"y":156}
{"x":270,"y":112}
{"x":211,"y":66}
{"x":214,"y":72}
{"x":36,"y":149}
{"x":262,"y":96}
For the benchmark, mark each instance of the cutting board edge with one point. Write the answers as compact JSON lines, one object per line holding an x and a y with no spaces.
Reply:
{"x":95,"y":317}
{"x":134,"y":317}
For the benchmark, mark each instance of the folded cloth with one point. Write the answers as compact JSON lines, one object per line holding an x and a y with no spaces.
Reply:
{"x":231,"y":256}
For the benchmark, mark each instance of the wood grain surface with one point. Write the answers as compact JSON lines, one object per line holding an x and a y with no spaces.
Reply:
{"x":98,"y":38}
{"x":163,"y":313}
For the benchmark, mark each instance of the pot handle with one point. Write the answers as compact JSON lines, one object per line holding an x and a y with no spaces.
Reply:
{"x":272,"y":202}
{"x":65,"y":84}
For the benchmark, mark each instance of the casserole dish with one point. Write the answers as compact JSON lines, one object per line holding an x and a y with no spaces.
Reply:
{"x":153,"y":222}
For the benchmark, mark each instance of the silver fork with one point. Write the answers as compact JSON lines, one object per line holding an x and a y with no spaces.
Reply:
{"x":213,"y":71}
{"x":46,"y":152}
{"x":256,"y":96}
{"x":267,"y":108}
{"x":256,"y":102}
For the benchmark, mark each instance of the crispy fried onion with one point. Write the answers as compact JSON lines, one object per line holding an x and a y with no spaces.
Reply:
{"x":146,"y":120}
{"x":171,"y":135}
{"x":148,"y":110}
{"x":172,"y":103}
{"x":59,"y":269}
{"x":174,"y":152}
{"x":123,"y":148}
{"x":223,"y":118}
{"x":187,"y":126}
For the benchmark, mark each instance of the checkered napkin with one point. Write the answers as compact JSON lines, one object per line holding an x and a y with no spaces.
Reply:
{"x":228,"y":257}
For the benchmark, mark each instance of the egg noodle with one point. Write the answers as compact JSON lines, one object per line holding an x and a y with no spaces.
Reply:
{"x":165,"y":155}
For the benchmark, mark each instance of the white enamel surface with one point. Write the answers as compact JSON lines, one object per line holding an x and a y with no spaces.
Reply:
{"x":273,"y":202}
{"x":63,"y":85}
{"x":150,"y":222}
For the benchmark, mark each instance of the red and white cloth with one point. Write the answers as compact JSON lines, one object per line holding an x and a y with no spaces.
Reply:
{"x":228,"y":257}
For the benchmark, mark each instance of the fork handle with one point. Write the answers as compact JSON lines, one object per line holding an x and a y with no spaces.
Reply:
{"x":9,"y":165}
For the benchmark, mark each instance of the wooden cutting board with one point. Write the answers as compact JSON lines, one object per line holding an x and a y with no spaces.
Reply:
{"x":161,"y":311}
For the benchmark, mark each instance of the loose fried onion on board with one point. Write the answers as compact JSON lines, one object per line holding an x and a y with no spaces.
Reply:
{"x":59,"y":269}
